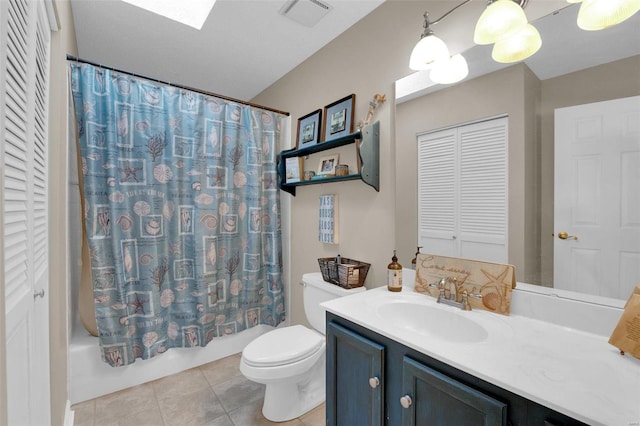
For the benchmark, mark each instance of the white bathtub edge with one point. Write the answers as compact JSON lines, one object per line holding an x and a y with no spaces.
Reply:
{"x":90,"y":377}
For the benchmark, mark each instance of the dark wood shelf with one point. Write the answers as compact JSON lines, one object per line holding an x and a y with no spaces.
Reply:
{"x":367,"y":143}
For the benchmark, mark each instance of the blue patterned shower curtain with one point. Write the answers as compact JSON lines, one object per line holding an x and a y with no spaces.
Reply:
{"x":181,"y":213}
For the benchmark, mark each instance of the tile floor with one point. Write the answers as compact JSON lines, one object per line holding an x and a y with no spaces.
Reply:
{"x":214,"y":394}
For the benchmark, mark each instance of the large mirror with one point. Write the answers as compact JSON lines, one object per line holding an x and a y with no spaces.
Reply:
{"x":573,"y":67}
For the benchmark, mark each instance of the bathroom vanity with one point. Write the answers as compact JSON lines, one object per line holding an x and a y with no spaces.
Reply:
{"x":401,"y":358}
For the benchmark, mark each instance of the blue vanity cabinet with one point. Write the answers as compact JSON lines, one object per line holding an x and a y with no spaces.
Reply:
{"x":355,"y":378}
{"x":432,"y":398}
{"x":438,"y":394}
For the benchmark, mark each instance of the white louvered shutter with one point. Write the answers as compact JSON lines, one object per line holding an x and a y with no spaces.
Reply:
{"x":24,"y":50}
{"x":462,"y":191}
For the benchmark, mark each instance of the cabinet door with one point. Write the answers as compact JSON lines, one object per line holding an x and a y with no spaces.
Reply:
{"x":355,"y":378}
{"x":431,"y":398}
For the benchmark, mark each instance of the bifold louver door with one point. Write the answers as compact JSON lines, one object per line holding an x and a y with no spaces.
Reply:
{"x":24,"y":76}
{"x":462,"y":191}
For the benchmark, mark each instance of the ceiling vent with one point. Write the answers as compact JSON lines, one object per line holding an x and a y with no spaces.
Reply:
{"x":305,"y":12}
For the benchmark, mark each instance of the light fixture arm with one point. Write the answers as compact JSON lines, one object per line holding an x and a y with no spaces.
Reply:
{"x":427,"y":31}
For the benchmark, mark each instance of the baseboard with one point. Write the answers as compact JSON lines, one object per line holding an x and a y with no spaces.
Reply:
{"x":68,"y":414}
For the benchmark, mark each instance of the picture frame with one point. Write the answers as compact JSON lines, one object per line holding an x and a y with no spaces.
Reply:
{"x":327,"y":165}
{"x":309,"y":129}
{"x":338,"y":118}
{"x":293,"y":169}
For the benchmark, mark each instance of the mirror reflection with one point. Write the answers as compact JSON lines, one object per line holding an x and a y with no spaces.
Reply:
{"x":573,"y":67}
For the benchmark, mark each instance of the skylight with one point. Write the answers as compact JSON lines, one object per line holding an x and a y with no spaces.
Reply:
{"x":192,"y":13}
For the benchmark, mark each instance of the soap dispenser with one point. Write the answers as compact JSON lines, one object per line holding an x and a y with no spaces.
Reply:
{"x":394,"y":271}
{"x":415,"y":259}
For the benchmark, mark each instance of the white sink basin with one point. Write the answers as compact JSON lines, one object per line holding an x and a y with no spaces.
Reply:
{"x":420,"y":314}
{"x":433,"y":321}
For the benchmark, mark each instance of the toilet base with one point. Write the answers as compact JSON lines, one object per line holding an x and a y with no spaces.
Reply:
{"x":284,"y":401}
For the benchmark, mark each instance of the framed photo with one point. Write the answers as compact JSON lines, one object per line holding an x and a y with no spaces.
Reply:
{"x":338,"y":118}
{"x":309,"y":128}
{"x":327,"y":165}
{"x":293,"y":167}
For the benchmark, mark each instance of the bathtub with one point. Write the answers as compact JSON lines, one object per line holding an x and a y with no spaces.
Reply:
{"x":90,"y":377}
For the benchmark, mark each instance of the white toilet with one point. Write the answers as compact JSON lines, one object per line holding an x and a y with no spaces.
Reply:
{"x":290,"y":361}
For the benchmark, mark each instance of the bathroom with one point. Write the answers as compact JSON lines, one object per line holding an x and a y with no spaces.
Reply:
{"x":380,"y":61}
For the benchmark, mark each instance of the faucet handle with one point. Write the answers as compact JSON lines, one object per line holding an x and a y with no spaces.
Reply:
{"x":466,"y":306}
{"x":475,"y":295}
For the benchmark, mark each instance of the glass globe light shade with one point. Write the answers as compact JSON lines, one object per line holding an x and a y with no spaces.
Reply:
{"x":449,"y":70}
{"x":519,"y":46}
{"x":428,"y":50}
{"x":499,"y":19}
{"x":599,"y":14}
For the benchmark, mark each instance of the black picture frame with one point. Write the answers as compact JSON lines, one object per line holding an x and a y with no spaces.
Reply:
{"x":309,"y":128}
{"x":338,"y":118}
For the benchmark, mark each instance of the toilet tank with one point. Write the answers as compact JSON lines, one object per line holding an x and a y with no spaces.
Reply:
{"x":316,"y":291}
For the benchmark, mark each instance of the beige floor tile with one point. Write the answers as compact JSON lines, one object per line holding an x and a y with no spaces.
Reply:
{"x":222,"y":370}
{"x":181,"y":383}
{"x":126,"y":402}
{"x":237,"y":392}
{"x":250,"y":414}
{"x":149,"y":417}
{"x":84,"y":413}
{"x":222,"y":421}
{"x":315,"y":417}
{"x":201,"y":407}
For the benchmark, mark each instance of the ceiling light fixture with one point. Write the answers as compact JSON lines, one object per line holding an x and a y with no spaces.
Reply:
{"x":432,"y":53}
{"x":518,"y":46}
{"x":449,"y":71}
{"x":500,"y":19}
{"x":193,"y":13}
{"x":599,"y":14}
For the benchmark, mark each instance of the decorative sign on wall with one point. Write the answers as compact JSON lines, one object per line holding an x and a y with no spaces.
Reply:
{"x":328,"y":219}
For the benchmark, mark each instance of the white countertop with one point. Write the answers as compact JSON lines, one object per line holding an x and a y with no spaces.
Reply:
{"x":574,"y":372}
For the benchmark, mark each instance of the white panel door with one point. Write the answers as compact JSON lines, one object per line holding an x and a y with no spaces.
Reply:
{"x":24,"y":50}
{"x":597,"y":198}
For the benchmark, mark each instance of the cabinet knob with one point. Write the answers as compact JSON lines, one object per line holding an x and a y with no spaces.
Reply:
{"x":405,"y":401}
{"x":374,"y":382}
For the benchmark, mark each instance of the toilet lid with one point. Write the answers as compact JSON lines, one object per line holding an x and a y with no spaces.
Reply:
{"x":282,"y":346}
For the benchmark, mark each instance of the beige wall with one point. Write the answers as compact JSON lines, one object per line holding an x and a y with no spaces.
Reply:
{"x":62,"y":42}
{"x":365,"y":60}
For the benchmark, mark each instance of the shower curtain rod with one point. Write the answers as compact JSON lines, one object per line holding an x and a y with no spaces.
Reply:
{"x":179,"y":86}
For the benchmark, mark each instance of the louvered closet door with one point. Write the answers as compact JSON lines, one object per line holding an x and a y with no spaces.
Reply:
{"x":25,"y":69}
{"x":462,"y":191}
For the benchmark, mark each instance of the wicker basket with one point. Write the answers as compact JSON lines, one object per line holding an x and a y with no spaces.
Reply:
{"x":348,"y":273}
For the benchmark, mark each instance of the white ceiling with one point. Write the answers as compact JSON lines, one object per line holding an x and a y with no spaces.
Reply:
{"x":243,"y":47}
{"x":246,"y":45}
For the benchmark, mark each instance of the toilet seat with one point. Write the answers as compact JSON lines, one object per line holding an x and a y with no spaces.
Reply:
{"x":282,"y":346}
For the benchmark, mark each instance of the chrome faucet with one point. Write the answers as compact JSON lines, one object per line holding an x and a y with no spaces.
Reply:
{"x":451,"y":286}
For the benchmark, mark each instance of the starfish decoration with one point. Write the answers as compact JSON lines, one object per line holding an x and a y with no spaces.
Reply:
{"x":138,"y":305}
{"x":89,"y":107}
{"x":175,"y":123}
{"x":498,"y":280}
{"x":129,"y":172}
{"x":217,"y":178}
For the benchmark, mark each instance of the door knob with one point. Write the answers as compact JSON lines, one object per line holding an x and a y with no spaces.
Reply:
{"x":374,"y":382}
{"x":37,"y":294}
{"x":405,"y":401}
{"x":565,"y":236}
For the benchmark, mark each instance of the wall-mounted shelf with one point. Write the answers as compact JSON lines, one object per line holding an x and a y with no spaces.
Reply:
{"x":367,"y":142}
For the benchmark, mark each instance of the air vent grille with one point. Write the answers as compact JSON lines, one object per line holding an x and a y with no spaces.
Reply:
{"x":305,"y":12}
